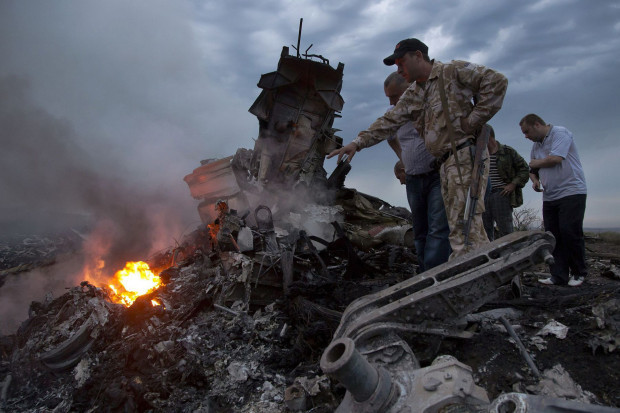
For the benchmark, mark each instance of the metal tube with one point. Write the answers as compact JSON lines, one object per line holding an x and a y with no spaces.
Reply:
{"x":299,"y":36}
{"x":342,"y":361}
{"x":522,"y":349}
{"x":226,"y":309}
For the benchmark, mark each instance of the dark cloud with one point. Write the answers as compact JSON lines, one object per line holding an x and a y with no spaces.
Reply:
{"x":150,"y":88}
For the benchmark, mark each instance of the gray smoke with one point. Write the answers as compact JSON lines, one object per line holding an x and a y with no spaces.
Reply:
{"x":49,"y":182}
{"x":45,"y":172}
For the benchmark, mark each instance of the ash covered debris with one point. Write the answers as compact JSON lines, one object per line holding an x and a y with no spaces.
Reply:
{"x":223,"y":337}
{"x":21,"y":252}
{"x":223,"y":340}
{"x":290,"y":266}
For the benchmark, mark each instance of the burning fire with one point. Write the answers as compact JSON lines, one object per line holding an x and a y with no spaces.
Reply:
{"x":135,"y":279}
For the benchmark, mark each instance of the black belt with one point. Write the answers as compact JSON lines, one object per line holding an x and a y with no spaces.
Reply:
{"x":438,"y":161}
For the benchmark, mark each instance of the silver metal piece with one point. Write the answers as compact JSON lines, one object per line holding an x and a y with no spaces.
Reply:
{"x":442,"y":384}
{"x":370,"y":388}
{"x":527,"y":403}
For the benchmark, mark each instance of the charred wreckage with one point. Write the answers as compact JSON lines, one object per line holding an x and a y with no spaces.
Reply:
{"x":290,"y":272}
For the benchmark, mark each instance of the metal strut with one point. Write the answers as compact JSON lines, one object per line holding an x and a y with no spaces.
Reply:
{"x":449,"y":291}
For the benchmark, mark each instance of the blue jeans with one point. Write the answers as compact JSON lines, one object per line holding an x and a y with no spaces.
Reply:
{"x":430,"y":223}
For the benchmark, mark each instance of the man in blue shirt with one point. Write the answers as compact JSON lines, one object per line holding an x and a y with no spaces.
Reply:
{"x":423,"y":185}
{"x":556,"y":171}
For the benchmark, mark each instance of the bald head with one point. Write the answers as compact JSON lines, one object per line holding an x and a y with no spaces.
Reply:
{"x":399,"y":172}
{"x":394,"y":86}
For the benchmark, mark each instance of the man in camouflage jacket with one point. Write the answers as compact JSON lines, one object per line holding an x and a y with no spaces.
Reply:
{"x":422,"y":104}
{"x":508,"y":173}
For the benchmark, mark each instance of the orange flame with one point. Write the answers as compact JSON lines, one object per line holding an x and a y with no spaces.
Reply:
{"x":213,"y":230}
{"x":135,"y":279}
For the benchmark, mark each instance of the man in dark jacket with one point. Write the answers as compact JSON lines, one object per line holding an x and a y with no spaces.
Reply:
{"x":508,"y":174}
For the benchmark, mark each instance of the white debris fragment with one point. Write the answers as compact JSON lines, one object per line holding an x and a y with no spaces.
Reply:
{"x":316,"y":220}
{"x":605,"y":313}
{"x":245,"y":239}
{"x":164,"y":346}
{"x":81,"y":372}
{"x":270,"y":393}
{"x":612,"y":271}
{"x":314,"y":385}
{"x":238,"y":372}
{"x":539,"y":342}
{"x":100,"y":312}
{"x":556,"y":382}
{"x":553,"y":327}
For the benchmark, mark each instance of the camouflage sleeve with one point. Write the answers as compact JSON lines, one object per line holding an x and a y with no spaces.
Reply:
{"x":522,"y":169}
{"x":488,"y":84}
{"x":388,"y":124}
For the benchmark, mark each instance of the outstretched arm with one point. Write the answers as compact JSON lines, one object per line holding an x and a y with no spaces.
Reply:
{"x":350,"y":149}
{"x":407,"y":109}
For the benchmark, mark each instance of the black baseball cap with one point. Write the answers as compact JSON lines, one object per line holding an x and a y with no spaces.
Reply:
{"x":404,"y":46}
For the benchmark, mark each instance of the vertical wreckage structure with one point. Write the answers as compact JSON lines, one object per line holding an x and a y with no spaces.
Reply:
{"x":295,"y":110}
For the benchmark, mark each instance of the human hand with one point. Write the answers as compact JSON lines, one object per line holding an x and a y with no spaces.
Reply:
{"x":536,"y":186}
{"x":350,"y":149}
{"x":508,"y":189}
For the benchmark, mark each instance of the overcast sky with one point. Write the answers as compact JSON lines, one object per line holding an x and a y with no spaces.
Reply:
{"x":134,"y":94}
